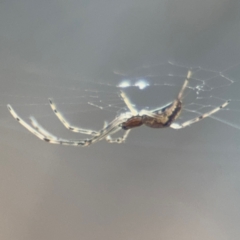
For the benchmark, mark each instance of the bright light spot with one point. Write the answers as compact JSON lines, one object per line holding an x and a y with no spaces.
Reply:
{"x":124,"y":84}
{"x":141,"y":84}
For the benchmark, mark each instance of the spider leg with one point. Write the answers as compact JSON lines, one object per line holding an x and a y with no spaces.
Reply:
{"x":50,"y":138}
{"x":40,"y":129}
{"x":44,"y":135}
{"x":130,"y":106}
{"x":67,"y":124}
{"x":180,"y":94}
{"x":155,"y":112}
{"x":191,"y":121}
{"x":133,"y":110}
{"x":119,"y":139}
{"x":24,"y":124}
{"x":101,"y":134}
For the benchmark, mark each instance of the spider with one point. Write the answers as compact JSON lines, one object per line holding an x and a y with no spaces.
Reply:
{"x":157,"y":118}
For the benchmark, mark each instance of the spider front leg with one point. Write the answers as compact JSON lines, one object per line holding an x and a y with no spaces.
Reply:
{"x":41,"y":129}
{"x":67,"y":124}
{"x":48,"y":137}
{"x":44,"y":135}
{"x":103,"y":133}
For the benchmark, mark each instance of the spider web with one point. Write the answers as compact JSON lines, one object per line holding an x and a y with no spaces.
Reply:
{"x":88,"y":103}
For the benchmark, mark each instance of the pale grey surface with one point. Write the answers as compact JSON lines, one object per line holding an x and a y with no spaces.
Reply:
{"x":161,"y":184}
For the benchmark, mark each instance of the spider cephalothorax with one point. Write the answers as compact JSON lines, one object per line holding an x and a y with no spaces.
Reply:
{"x":156,"y":118}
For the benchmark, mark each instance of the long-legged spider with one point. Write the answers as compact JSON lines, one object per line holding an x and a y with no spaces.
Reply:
{"x":157,"y":118}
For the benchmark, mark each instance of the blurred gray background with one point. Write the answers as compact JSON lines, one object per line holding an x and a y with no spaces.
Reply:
{"x":160,"y":184}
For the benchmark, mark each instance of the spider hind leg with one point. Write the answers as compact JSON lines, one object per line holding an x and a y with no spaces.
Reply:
{"x":184,"y":86}
{"x":191,"y":121}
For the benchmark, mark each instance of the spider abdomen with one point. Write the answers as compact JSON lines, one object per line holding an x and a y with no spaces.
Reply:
{"x":164,"y":118}
{"x":160,"y":122}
